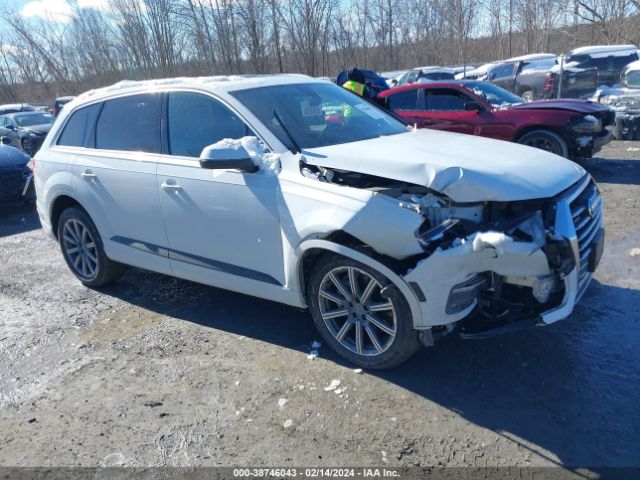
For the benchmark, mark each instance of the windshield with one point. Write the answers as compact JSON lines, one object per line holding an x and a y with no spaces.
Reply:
{"x":496,"y":96}
{"x":633,"y":79}
{"x":30,"y":119}
{"x":312,"y":115}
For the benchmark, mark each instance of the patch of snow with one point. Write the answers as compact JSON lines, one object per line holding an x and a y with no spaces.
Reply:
{"x":282,"y":402}
{"x":267,"y":160}
{"x":288,"y":423}
{"x":357,"y":370}
{"x":312,"y":354}
{"x":316,"y":344}
{"x":635,"y":252}
{"x":495,"y":240}
{"x":633,"y":149}
{"x":333,"y":385}
{"x":115,"y":459}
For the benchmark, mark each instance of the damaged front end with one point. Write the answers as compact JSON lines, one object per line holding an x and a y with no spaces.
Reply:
{"x":495,"y":267}
{"x":487,"y":267}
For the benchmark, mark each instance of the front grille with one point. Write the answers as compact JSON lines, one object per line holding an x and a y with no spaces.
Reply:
{"x":586,"y":211}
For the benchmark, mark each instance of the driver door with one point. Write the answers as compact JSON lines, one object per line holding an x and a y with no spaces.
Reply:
{"x":223,"y":225}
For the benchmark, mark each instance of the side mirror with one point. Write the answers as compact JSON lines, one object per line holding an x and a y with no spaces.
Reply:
{"x":217,"y":157}
{"x":473,"y":106}
{"x":5,"y":140}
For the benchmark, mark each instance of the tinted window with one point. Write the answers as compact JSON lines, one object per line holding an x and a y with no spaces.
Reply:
{"x":407,"y":100}
{"x":130,"y":123}
{"x":437,"y":76}
{"x":538,"y":66}
{"x":502,"y":71}
{"x":77,"y":128}
{"x":196,"y":121}
{"x":445,"y":100}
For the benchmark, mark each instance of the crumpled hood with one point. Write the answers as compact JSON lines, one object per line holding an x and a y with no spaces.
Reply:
{"x":38,"y":129}
{"x":466,"y":168}
{"x":575,"y":105}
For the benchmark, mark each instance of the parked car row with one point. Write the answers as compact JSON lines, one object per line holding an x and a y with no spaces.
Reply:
{"x":574,"y":74}
{"x":25,"y":126}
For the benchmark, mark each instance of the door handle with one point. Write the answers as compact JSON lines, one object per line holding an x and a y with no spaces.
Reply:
{"x":171,"y":187}
{"x":88,"y":174}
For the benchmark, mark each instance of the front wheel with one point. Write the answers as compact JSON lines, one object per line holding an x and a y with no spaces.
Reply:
{"x":27,"y":146}
{"x":364,"y":322}
{"x":545,"y":140}
{"x":83,"y":251}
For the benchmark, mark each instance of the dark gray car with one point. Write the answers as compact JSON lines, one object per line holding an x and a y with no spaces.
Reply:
{"x":30,"y":127}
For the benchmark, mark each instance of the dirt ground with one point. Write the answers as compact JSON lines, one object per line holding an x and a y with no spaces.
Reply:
{"x":157,"y":371}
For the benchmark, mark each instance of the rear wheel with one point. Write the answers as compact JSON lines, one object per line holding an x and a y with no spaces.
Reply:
{"x":545,"y":140}
{"x":83,"y":251}
{"x":528,"y":95}
{"x":361,"y":320}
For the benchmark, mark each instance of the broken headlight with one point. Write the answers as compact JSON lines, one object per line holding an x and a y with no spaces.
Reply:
{"x":586,"y":124}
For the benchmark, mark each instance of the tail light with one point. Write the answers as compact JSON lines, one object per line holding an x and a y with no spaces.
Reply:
{"x":549,"y":81}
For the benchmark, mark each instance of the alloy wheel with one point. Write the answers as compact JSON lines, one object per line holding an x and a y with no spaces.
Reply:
{"x":543,"y":143}
{"x":355,"y":312}
{"x":80,"y":248}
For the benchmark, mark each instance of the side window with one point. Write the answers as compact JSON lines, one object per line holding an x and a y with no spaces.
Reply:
{"x":407,"y":100}
{"x":445,"y":100}
{"x":196,"y":121}
{"x":502,"y":71}
{"x":78,"y":126}
{"x":130,"y":123}
{"x":538,"y":66}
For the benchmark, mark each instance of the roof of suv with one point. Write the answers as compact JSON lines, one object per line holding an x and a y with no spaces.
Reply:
{"x":604,"y":49}
{"x":222,"y":83}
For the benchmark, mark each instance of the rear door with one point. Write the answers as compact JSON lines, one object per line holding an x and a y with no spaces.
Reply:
{"x":407,"y":104}
{"x":115,"y":180}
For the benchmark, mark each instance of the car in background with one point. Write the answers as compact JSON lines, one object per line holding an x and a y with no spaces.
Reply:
{"x":478,"y":73}
{"x":392,"y":78}
{"x":15,"y":174}
{"x":10,"y":137}
{"x":526,"y":76}
{"x":574,"y":129}
{"x":580,"y":72}
{"x":16,"y":107}
{"x":427,"y":73}
{"x":59,"y":103}
{"x":32,"y":128}
{"x":624,"y":99}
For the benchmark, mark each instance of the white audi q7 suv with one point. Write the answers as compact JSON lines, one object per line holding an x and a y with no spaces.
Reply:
{"x":298,"y":191}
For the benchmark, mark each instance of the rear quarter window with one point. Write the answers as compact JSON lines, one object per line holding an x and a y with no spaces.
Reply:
{"x":76,"y":131}
{"x":130,"y":123}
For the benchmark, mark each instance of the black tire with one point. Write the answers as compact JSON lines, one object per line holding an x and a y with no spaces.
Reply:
{"x":106,"y":271}
{"x":545,"y":140}
{"x":398,"y":348}
{"x":528,"y":95}
{"x":27,"y":146}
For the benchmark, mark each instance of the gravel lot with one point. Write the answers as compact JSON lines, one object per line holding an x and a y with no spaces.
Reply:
{"x":159,"y":371}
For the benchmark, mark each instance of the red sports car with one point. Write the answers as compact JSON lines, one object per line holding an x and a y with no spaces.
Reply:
{"x":575,"y":129}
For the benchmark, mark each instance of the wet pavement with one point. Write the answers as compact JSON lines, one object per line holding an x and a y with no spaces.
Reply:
{"x":159,"y":371}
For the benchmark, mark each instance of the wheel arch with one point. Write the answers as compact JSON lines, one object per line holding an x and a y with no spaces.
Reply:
{"x":309,"y":251}
{"x":532,"y":128}
{"x":59,"y":205}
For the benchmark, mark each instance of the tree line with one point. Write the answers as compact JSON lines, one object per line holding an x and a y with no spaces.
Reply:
{"x":41,"y":58}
